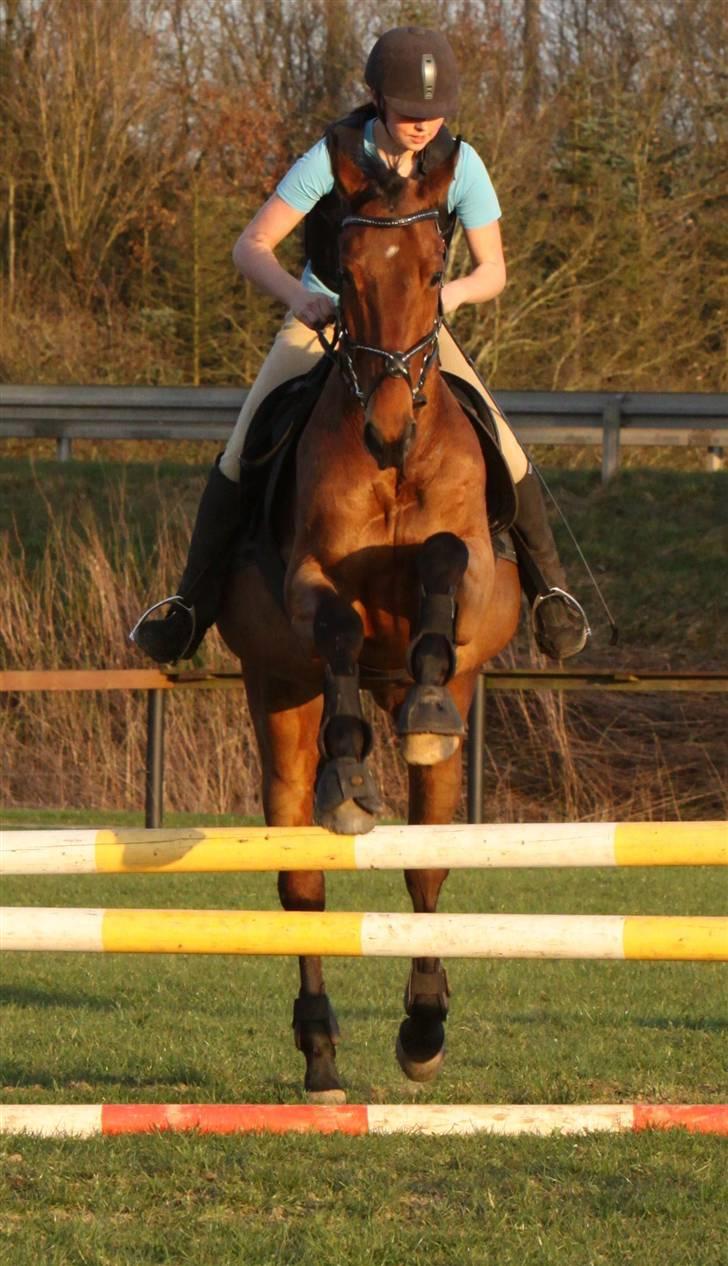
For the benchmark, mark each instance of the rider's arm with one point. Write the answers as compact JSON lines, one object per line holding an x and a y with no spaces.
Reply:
{"x":488,"y":276}
{"x":254,"y":258}
{"x":304,"y":184}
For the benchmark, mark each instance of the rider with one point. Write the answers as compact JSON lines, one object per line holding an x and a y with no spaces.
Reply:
{"x":413,"y":81}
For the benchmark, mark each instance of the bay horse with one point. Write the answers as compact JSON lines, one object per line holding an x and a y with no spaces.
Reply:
{"x":389,"y":567}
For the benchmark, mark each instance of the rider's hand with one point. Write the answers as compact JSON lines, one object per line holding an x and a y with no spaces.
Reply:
{"x":449,"y":298}
{"x":315,"y":310}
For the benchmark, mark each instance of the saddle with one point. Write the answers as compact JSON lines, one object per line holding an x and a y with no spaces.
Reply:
{"x":268,"y":465}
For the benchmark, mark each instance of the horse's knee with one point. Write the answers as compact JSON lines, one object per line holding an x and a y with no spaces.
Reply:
{"x":442,"y":562}
{"x":338,"y":632}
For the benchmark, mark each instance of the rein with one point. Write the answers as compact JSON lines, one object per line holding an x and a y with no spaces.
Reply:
{"x":396,"y":364}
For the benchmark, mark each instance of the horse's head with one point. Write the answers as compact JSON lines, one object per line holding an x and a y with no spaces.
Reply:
{"x":391,"y":258}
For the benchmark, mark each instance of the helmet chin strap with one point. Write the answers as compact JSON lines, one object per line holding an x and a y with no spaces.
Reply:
{"x":381,"y":106}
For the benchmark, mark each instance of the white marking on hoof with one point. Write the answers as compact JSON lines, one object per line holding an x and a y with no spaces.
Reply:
{"x":325,"y":1096}
{"x":426,"y":1070}
{"x":428,"y":749}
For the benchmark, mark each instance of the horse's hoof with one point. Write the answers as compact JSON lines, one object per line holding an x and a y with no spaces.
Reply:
{"x":428,"y":749}
{"x":347,"y":819}
{"x":325,"y":1096}
{"x":422,"y":1070}
{"x":429,"y":709}
{"x":347,"y":797}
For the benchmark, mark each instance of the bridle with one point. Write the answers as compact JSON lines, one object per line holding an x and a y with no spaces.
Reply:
{"x":342,"y":346}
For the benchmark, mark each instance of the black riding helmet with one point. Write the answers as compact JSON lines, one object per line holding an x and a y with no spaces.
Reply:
{"x":414,"y":71}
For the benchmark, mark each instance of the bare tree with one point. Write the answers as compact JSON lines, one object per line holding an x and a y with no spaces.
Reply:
{"x":94,"y":123}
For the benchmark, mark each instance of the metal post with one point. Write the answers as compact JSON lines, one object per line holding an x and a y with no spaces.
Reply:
{"x":610,"y":443}
{"x":64,"y":450}
{"x":476,"y":751}
{"x":154,"y":789}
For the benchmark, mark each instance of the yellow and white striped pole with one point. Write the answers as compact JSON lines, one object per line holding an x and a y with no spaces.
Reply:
{"x":662,"y":937}
{"x":220,"y":849}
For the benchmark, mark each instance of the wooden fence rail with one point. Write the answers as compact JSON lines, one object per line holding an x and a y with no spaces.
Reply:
{"x":608,"y":419}
{"x":157,"y":684}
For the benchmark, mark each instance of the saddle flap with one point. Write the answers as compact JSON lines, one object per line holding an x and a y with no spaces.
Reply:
{"x":283,"y":412}
{"x":501,"y":491}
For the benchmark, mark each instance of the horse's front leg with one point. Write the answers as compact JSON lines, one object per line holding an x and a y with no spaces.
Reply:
{"x":454,"y":580}
{"x":347,"y":798}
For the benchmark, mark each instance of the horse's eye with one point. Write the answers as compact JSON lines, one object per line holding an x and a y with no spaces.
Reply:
{"x":436,"y":280}
{"x":347,"y":276}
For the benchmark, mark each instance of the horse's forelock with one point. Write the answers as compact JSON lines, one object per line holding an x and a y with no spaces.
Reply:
{"x":382,"y":182}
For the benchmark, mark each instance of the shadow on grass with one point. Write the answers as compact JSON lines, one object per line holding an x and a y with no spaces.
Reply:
{"x":712,"y":1025}
{"x":168,"y":1083}
{"x":27,"y":996}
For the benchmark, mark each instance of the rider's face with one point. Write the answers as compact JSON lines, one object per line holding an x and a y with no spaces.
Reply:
{"x":411,"y":134}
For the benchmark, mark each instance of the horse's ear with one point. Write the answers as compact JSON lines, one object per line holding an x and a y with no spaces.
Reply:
{"x":348,"y":176}
{"x":432,"y":188}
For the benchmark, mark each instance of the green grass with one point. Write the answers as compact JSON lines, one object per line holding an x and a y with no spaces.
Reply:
{"x":90,"y":1028}
{"x":18,"y":818}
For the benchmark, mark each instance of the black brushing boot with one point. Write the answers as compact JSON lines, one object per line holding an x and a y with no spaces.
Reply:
{"x":195,"y":605}
{"x":559,"y":623}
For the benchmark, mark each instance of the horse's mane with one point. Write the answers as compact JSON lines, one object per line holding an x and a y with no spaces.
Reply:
{"x":383,"y":182}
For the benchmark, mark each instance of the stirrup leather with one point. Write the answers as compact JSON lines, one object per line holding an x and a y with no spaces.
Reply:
{"x":174,"y":601}
{"x":571,"y":602}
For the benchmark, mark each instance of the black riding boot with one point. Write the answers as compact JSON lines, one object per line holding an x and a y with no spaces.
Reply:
{"x":195,"y":605}
{"x":559,"y":624}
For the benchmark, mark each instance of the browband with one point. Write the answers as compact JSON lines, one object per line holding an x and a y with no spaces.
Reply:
{"x":390,"y":222}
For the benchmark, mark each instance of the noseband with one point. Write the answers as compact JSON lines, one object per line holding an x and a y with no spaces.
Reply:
{"x":396,"y":364}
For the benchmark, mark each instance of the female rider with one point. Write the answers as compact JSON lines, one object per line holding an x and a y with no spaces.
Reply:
{"x":413,"y":82}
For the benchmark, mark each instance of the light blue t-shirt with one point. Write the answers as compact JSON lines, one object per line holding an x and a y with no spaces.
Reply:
{"x":471,"y":194}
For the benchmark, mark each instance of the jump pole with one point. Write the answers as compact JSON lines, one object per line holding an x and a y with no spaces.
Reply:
{"x":543,"y":936}
{"x":88,"y":1120}
{"x":232,"y":849}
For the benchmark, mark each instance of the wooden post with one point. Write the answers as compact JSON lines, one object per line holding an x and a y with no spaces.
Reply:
{"x":154,"y":788}
{"x":476,"y":751}
{"x":611,"y":418}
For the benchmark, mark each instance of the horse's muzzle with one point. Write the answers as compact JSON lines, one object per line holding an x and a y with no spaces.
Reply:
{"x":389,"y":454}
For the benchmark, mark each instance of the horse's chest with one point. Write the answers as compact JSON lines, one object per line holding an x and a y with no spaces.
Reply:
{"x":398,"y":515}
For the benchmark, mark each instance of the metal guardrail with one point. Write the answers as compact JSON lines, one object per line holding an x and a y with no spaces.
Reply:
{"x":590,"y":418}
{"x":157,"y":683}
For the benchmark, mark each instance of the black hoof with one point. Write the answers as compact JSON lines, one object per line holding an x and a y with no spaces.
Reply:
{"x":347,"y":797}
{"x":420,"y":1049}
{"x":429,"y":710}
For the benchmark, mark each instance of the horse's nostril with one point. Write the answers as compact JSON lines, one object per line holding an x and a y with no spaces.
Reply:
{"x":389,"y":454}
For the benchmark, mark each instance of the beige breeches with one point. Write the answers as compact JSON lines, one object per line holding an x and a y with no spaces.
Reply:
{"x":296,"y":349}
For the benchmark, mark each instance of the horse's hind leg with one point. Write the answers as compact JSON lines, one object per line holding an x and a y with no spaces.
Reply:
{"x":286,"y":733}
{"x":429,"y":724}
{"x":433,"y":798}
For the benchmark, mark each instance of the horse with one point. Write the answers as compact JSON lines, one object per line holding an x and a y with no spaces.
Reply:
{"x":389,"y":571}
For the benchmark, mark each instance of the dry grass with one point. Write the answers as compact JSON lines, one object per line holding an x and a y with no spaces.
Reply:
{"x":549,"y":755}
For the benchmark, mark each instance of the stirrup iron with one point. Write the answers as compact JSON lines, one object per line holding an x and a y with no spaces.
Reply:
{"x":571,"y":602}
{"x":174,"y":600}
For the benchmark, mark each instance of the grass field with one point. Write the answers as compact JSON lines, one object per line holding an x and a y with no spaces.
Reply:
{"x":90,"y":1028}
{"x":81,"y":542}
